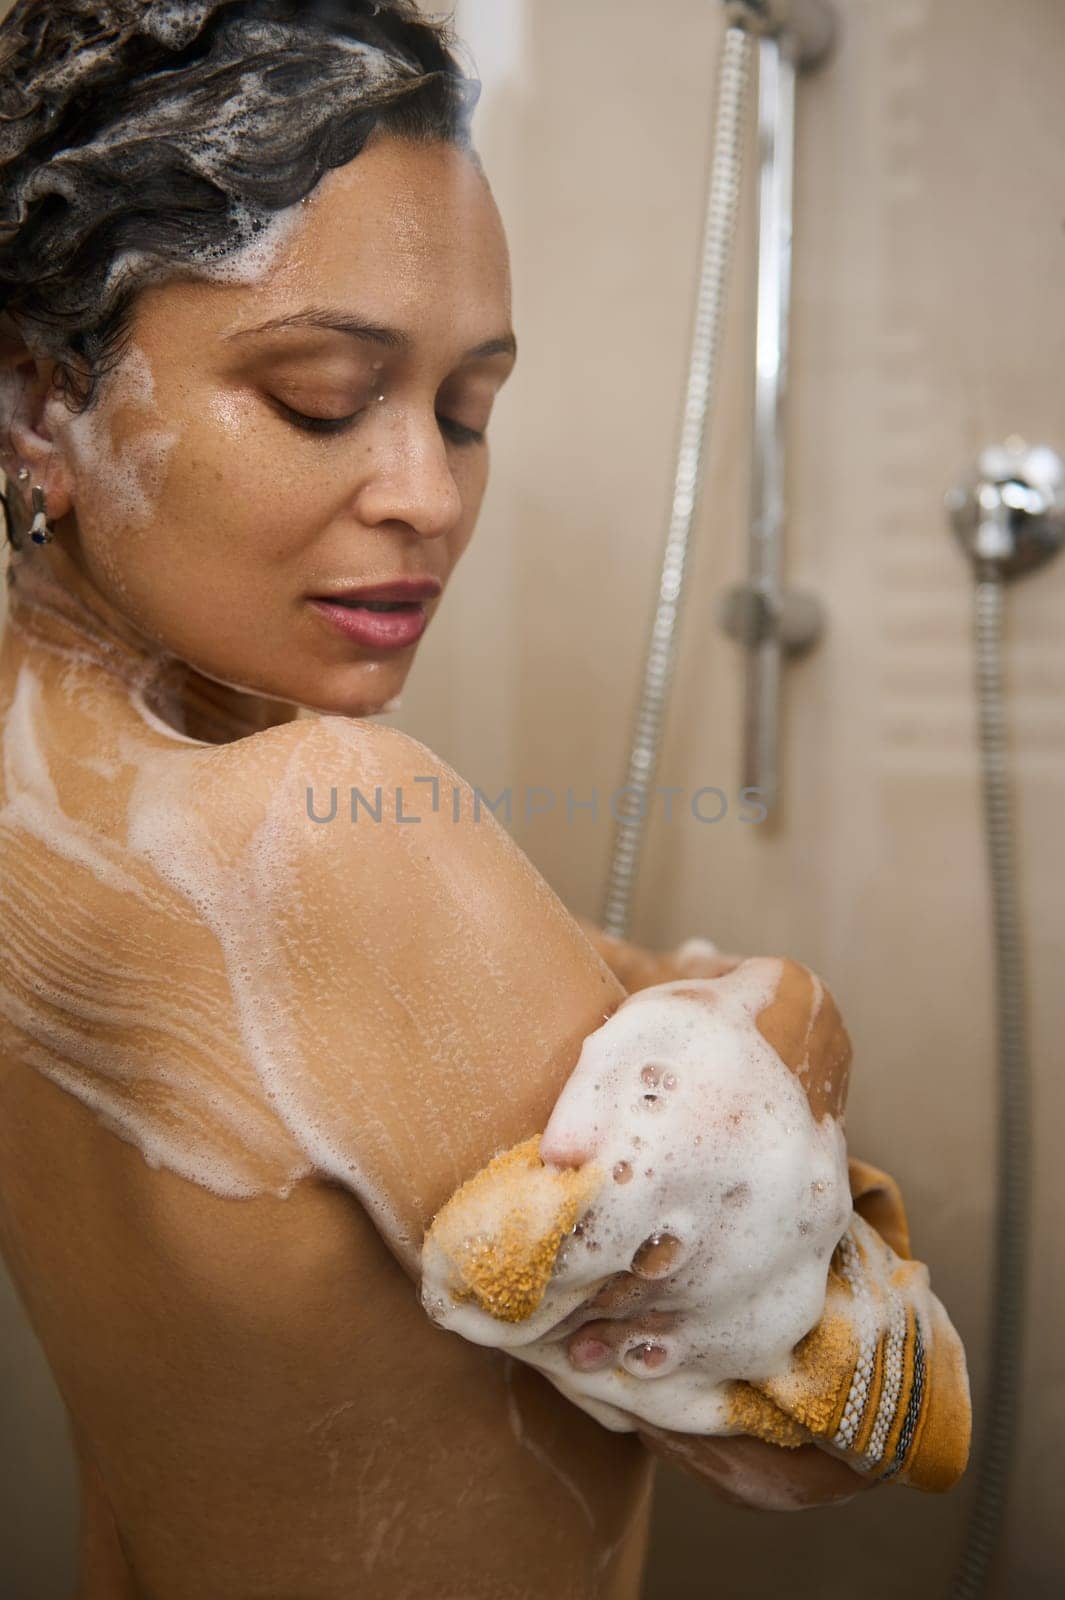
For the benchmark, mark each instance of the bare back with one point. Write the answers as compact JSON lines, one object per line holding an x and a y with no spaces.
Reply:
{"x":258,"y":1402}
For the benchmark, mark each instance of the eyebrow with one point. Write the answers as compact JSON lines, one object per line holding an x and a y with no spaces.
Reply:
{"x":358,"y":328}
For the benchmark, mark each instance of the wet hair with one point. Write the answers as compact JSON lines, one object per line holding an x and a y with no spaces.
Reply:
{"x":148,"y":139}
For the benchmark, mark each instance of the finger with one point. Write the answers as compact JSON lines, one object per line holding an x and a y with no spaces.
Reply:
{"x":656,"y":1256}
{"x":621,"y":1296}
{"x":625,"y":1292}
{"x":591,"y":1348}
{"x":641,"y":1347}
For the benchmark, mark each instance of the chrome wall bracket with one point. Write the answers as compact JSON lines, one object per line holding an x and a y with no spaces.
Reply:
{"x":806,"y":29}
{"x":794,"y":618}
{"x":1008,"y":512}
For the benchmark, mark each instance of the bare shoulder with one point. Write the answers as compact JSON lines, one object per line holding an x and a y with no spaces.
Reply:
{"x":332,"y":796}
{"x":417,"y":991}
{"x":318,"y":790}
{"x":375,"y":782}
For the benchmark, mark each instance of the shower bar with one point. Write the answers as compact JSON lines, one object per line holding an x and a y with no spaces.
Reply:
{"x":772,"y":622}
{"x":808,"y":32}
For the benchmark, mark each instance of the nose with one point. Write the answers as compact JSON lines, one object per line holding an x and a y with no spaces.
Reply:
{"x":412,"y":481}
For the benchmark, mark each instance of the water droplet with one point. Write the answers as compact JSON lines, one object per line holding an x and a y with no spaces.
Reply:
{"x":622,"y":1172}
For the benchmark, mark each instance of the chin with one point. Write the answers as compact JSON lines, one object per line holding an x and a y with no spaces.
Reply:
{"x":378,"y":693}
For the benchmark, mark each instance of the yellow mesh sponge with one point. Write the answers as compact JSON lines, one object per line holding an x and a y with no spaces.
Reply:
{"x":501,"y":1232}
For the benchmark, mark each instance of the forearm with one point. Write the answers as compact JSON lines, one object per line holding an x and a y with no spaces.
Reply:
{"x":758,"y":1476}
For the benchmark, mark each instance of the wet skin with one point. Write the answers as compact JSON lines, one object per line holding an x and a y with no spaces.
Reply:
{"x":257,"y":1399}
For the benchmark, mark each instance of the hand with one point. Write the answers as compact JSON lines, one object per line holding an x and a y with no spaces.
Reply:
{"x":748,"y":1472}
{"x":680,"y":1256}
{"x":712,"y":1201}
{"x":619,"y":1323}
{"x":743,"y":1470}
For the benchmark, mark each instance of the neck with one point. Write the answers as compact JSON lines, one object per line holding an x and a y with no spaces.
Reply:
{"x":53,"y":606}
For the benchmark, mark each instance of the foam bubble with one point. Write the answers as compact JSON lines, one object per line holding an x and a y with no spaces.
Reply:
{"x":723,"y":1191}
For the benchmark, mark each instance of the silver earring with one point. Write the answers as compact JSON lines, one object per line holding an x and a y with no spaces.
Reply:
{"x":40,"y":532}
{"x":23,"y":474}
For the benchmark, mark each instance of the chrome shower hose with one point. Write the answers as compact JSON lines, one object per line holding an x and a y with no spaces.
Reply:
{"x":998,"y":1424}
{"x":719,"y":233}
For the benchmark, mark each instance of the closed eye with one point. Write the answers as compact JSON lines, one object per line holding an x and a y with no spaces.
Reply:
{"x":309,"y":424}
{"x":458,"y":432}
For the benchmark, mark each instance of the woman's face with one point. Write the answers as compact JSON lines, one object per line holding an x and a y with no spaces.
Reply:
{"x":210,"y":511}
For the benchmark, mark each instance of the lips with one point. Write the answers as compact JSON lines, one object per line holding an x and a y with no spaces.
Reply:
{"x":402,"y":591}
{"x":376,"y":624}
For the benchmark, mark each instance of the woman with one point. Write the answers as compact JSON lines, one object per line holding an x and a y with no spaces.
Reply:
{"x":256,"y":313}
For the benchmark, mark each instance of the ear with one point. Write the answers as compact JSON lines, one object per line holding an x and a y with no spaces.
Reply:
{"x":28,"y":421}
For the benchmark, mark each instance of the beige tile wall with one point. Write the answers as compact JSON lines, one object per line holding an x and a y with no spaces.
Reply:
{"x":929,"y":319}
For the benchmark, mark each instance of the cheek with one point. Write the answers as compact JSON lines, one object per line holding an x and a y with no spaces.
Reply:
{"x":472,"y":482}
{"x":276,"y":489}
{"x":458,"y":541}
{"x":235,"y":476}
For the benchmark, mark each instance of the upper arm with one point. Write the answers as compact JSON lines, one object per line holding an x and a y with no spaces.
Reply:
{"x":414,"y":994}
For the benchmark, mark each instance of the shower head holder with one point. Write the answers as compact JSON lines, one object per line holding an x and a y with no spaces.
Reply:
{"x":1008,"y":512}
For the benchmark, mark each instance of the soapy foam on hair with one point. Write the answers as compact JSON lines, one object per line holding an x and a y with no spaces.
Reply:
{"x":247,"y":263}
{"x":706,"y":1138}
{"x":240,"y":126}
